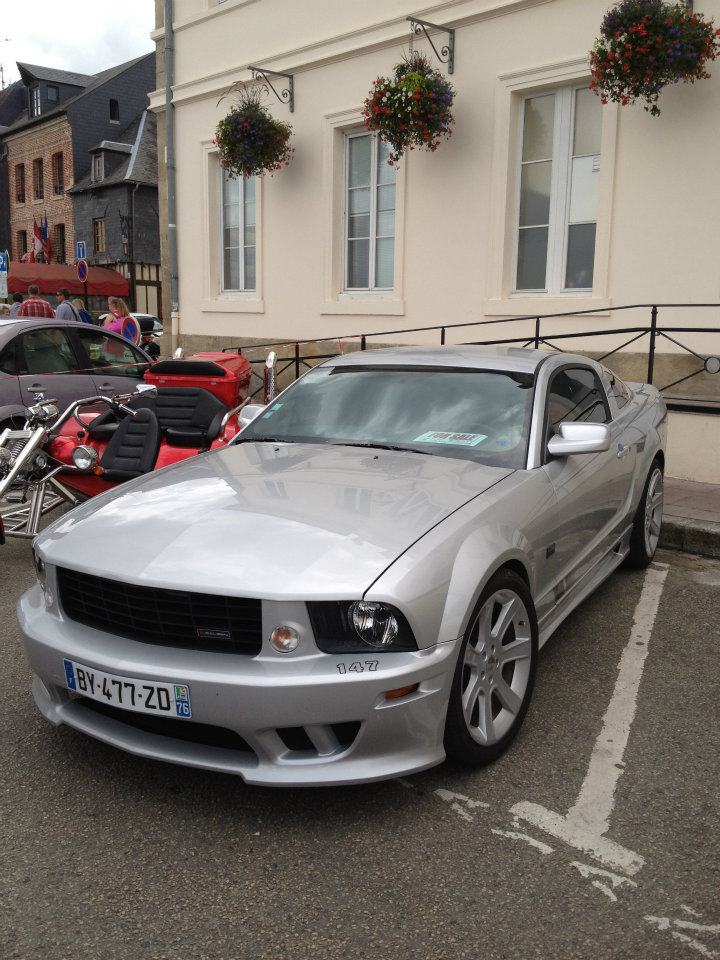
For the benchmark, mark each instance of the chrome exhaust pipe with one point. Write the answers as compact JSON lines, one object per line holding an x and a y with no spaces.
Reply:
{"x":270,"y":378}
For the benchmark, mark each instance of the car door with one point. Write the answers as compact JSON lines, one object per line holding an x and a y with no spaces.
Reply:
{"x":116,"y":366}
{"x":10,"y":396}
{"x":48,"y":367}
{"x":587,"y":486}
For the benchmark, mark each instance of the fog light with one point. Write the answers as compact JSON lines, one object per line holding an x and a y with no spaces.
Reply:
{"x":401,"y":692}
{"x":84,"y":457}
{"x":284,"y":639}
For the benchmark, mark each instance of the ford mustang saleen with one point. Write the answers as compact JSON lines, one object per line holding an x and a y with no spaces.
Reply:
{"x":359,"y":584}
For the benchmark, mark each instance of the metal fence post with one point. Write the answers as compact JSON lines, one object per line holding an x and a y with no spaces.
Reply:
{"x":651,"y":351}
{"x":537,"y":333}
{"x":297,"y":360}
{"x":362,"y":342}
{"x":442,"y":336}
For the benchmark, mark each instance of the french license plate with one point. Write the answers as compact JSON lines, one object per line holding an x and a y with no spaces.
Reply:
{"x":142,"y":696}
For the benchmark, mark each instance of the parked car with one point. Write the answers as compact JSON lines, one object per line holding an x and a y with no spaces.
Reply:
{"x":44,"y":359}
{"x":358,"y":585}
{"x":156,"y":329}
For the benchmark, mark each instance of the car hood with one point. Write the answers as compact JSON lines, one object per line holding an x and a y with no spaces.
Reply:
{"x":276,"y":521}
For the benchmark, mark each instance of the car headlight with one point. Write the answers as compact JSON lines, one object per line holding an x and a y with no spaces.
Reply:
{"x":40,"y":571}
{"x":354,"y":626}
{"x":85,"y":457}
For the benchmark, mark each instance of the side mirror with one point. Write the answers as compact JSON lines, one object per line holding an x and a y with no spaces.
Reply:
{"x":579,"y":438}
{"x":249,"y":413}
{"x":146,"y":389}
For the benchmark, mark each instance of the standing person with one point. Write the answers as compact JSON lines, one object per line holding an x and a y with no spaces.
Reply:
{"x":65,"y":309}
{"x":121,"y":322}
{"x":17,"y":300}
{"x":35,"y":306}
{"x":85,"y":314}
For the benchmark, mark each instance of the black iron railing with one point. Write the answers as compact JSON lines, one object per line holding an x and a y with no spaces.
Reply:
{"x":297,"y":360}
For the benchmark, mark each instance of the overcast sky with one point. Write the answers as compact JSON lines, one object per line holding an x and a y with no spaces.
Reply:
{"x":81,"y":35}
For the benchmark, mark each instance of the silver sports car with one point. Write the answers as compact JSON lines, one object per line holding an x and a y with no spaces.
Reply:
{"x":357,"y":586}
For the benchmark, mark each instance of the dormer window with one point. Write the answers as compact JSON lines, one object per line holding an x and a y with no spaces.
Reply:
{"x":98,"y":166}
{"x":35,"y":107}
{"x":114,"y":111}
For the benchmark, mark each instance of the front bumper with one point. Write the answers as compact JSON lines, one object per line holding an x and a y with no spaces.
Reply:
{"x":254,"y":698}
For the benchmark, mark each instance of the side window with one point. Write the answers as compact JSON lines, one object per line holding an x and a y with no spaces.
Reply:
{"x":620,"y":391}
{"x":8,"y":365}
{"x":112,"y":356}
{"x":47,"y":351}
{"x":575,"y":394}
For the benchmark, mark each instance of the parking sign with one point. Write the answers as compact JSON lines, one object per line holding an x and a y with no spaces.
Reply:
{"x":4,"y":258}
{"x":80,"y":250}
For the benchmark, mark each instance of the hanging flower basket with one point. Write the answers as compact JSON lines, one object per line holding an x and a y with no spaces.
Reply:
{"x":645,"y":45}
{"x":412,"y":108}
{"x":250,"y":140}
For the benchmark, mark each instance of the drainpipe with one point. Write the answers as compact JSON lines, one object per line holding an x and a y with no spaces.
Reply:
{"x":170,"y":163}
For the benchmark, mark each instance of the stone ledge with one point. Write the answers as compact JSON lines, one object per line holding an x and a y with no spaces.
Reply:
{"x":701,"y":537}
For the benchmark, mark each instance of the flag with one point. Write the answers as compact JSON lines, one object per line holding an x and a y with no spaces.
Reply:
{"x":38,"y":246}
{"x":46,"y":238}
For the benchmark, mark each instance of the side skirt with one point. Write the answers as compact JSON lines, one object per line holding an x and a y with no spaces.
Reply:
{"x":608,"y":563}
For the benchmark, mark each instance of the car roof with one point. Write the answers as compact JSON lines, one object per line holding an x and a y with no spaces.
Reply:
{"x":516,"y":359}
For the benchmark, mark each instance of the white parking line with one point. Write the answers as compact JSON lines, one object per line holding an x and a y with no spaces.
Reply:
{"x":588,"y":819}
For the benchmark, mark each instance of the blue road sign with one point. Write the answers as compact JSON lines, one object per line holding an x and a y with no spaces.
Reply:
{"x":80,"y":250}
{"x":82,"y":270}
{"x":4,"y":262}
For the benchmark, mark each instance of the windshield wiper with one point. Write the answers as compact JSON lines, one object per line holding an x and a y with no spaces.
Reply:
{"x":242,"y":439}
{"x":380,"y":446}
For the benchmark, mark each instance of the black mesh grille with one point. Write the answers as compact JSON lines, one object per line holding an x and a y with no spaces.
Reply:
{"x":187,"y":730}
{"x":172,"y":618}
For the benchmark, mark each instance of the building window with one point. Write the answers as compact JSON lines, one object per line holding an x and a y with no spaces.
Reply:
{"x":35,"y":107}
{"x":20,"y":182}
{"x":114,"y":111}
{"x":38,"y":180}
{"x":98,"y":166}
{"x":369,"y":220}
{"x":99,"y":236}
{"x":60,"y":253}
{"x":22,"y":247}
{"x":238,"y":233}
{"x":53,"y":93}
{"x":58,"y":171}
{"x":559,"y":191}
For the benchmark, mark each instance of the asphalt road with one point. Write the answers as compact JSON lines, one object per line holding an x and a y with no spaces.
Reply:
{"x":103,"y":855}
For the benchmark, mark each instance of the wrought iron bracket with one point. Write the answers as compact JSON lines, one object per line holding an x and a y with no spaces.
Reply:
{"x":446,"y":53}
{"x":286,"y":95}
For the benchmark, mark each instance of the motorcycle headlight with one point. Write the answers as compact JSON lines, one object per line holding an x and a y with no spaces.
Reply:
{"x":356,"y":626}
{"x":39,"y":565}
{"x":84,"y":457}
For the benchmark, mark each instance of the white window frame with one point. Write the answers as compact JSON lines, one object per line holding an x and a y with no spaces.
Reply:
{"x":98,"y":167}
{"x":371,"y":289}
{"x":500,"y":299}
{"x":35,"y":101}
{"x":560,"y":194}
{"x":242,"y":246}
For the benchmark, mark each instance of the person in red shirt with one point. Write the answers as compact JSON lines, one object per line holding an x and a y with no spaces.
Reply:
{"x":35,"y":306}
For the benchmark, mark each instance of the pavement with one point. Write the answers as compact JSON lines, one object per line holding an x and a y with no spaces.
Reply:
{"x":691,"y":517}
{"x":594,"y":838}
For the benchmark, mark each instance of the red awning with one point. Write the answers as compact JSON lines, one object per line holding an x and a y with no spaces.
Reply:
{"x":50,"y":277}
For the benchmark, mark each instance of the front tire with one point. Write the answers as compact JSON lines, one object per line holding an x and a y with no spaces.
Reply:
{"x":646,"y":528}
{"x":495,"y":673}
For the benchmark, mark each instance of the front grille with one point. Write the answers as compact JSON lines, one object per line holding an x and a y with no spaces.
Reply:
{"x":171,"y":618}
{"x":187,"y":730}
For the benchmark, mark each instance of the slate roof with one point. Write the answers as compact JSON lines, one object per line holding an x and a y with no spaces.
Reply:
{"x":51,"y":75}
{"x":140,"y":166}
{"x":92,"y":83}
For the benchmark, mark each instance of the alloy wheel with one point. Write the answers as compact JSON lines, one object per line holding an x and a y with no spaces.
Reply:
{"x":653,"y":511}
{"x":496,"y":667}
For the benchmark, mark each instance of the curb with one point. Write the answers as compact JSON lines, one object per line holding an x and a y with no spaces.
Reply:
{"x":701,"y":537}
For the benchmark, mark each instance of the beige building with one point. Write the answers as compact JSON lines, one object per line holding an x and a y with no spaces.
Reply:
{"x":542,"y":201}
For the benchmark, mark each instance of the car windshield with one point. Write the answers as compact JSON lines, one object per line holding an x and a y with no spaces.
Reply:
{"x":470,"y":414}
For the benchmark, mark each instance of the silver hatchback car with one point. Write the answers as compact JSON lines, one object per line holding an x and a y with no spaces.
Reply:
{"x":359,"y":584}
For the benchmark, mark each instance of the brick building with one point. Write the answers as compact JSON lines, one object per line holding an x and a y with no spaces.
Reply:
{"x":51,"y":122}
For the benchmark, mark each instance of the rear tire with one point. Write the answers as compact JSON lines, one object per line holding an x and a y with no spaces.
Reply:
{"x":495,"y":673}
{"x":647,"y":524}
